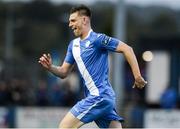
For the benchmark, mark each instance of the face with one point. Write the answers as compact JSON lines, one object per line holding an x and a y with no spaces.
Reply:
{"x":76,"y":23}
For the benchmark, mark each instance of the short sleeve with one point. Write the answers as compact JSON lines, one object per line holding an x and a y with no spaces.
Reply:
{"x":108,"y":43}
{"x":69,"y":55}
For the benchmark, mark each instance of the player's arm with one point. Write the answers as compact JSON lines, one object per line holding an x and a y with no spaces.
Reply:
{"x":61,"y":71}
{"x":131,"y":59}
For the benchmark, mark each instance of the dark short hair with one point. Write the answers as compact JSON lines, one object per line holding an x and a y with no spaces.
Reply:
{"x":82,"y":9}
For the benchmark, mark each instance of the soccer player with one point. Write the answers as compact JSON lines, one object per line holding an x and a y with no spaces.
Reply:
{"x":90,"y":52}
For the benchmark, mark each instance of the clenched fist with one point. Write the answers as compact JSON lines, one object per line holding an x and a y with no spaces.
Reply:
{"x":139,"y":82}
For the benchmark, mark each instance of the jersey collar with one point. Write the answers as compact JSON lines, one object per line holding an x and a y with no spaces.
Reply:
{"x":87,"y":35}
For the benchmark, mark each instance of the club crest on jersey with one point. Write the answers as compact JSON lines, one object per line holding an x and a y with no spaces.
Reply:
{"x":106,"y":40}
{"x":87,"y":43}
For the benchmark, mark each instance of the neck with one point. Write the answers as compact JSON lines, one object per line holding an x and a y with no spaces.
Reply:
{"x":85,"y":33}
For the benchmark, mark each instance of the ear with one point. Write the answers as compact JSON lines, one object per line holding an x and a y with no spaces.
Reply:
{"x":84,"y":20}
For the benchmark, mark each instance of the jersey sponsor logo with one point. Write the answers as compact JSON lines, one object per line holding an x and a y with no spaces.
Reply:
{"x":106,"y":40}
{"x":76,"y":45}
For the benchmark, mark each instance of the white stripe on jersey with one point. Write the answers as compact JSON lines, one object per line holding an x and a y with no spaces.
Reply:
{"x":82,"y":68}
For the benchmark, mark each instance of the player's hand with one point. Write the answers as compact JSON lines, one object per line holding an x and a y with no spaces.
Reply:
{"x":139,"y":82}
{"x":46,"y":61}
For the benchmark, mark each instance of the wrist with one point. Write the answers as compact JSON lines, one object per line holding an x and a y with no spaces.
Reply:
{"x":137,"y":76}
{"x":51,"y":67}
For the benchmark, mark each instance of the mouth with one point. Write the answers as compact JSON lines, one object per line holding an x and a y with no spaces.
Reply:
{"x":74,"y":29}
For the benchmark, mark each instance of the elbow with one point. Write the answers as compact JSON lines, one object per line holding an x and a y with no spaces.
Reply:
{"x":124,"y":48}
{"x":63,"y":77}
{"x":128,"y":49}
{"x":62,"y":73}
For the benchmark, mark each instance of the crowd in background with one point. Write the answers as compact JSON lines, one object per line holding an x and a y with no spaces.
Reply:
{"x":21,"y":92}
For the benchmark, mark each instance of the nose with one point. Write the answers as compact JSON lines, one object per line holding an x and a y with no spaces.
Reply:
{"x":70,"y":24}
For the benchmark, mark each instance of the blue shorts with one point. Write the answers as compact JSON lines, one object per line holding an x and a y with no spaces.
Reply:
{"x":98,"y":109}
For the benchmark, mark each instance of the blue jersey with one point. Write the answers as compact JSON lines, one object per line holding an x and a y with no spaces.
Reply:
{"x":91,"y":57}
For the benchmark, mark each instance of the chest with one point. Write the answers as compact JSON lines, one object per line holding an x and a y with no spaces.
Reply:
{"x":82,"y":50}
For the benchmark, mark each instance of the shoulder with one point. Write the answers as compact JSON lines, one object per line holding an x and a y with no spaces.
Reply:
{"x":106,"y":39}
{"x":101,"y":37}
{"x":96,"y":36}
{"x":96,"y":39}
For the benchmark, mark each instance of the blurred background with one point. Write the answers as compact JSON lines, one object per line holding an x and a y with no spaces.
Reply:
{"x":32,"y":97}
